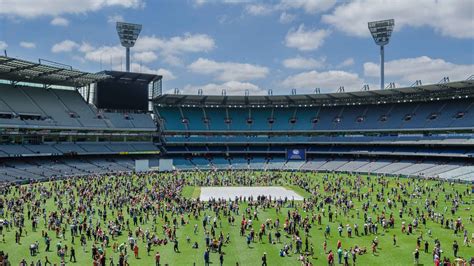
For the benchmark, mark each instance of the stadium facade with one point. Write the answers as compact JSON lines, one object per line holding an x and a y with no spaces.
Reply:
{"x":58,"y":122}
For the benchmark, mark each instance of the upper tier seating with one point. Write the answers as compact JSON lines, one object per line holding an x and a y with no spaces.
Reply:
{"x":38,"y":107}
{"x":457,"y":113}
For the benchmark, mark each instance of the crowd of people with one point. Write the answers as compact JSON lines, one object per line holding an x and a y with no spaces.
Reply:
{"x":118,"y":219}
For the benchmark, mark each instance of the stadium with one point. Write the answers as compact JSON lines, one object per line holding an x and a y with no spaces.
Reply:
{"x":109,"y":166}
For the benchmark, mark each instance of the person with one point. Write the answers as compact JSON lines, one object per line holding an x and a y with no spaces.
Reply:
{"x":416,"y":256}
{"x":426,"y":246}
{"x":346,"y":258}
{"x":206,"y":257}
{"x":339,"y":255}
{"x":33,"y":248}
{"x":175,"y":247}
{"x":455,"y":248}
{"x":48,"y":243}
{"x":327,"y":232}
{"x":46,"y":261}
{"x":148,"y":247}
{"x":221,"y":258}
{"x":157,"y":258}
{"x":330,"y":258}
{"x":72,"y":254}
{"x":394,"y":240}
{"x":264,"y":259}
{"x":282,"y":253}
{"x":135,"y":251}
{"x":354,"y":256}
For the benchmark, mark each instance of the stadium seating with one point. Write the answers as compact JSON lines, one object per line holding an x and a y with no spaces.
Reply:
{"x":45,"y":168}
{"x":401,"y":116}
{"x":427,"y":138}
{"x":37,"y":107}
{"x":85,"y":148}
{"x":445,"y":170}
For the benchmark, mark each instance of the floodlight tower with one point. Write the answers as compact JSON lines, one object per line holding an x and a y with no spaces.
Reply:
{"x":381,"y":32}
{"x":128,"y":34}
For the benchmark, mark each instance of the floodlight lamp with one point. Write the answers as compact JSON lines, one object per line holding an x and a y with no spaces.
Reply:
{"x":381,"y":31}
{"x":128,"y":33}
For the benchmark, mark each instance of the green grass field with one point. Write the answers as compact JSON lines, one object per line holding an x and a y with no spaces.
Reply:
{"x":415,"y":192}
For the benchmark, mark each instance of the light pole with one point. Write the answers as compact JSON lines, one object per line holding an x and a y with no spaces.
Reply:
{"x":381,"y":32}
{"x":128,"y":34}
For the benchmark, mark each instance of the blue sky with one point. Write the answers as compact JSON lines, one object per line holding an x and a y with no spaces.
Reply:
{"x":249,"y":45}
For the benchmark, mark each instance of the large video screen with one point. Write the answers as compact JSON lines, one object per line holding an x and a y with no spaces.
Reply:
{"x":122,"y":95}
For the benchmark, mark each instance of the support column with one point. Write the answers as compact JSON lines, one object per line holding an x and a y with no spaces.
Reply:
{"x":127,"y":59}
{"x":382,"y":61}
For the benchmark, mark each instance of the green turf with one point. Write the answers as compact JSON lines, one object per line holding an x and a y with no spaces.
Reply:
{"x":300,"y":191}
{"x":191,"y":192}
{"x":237,"y":250}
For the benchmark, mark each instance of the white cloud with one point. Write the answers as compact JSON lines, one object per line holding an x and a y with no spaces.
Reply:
{"x":306,"y":40}
{"x":113,"y":56}
{"x":178,"y":44}
{"x":450,"y":18}
{"x":105,"y":54}
{"x":64,"y":46}
{"x":346,"y":63}
{"x":231,"y":87}
{"x":259,"y":9}
{"x":167,"y":75}
{"x":59,"y":21}
{"x":86,"y":47}
{"x":331,"y":80}
{"x":145,"y":57}
{"x":309,"y":6}
{"x":286,"y":18}
{"x":300,"y":62}
{"x":171,"y":48}
{"x":28,"y":45}
{"x":35,"y":8}
{"x":429,"y":70}
{"x":202,"y":2}
{"x":79,"y":59}
{"x":115,"y":18}
{"x":146,"y":49}
{"x":228,"y":71}
{"x":3,"y":45}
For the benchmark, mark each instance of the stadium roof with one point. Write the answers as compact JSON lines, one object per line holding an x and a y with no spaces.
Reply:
{"x":131,"y":76}
{"x":417,"y":93}
{"x":20,"y":70}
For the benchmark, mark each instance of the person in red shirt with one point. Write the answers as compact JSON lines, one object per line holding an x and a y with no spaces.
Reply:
{"x":330,"y":258}
{"x":157,"y":258}
{"x":135,"y":251}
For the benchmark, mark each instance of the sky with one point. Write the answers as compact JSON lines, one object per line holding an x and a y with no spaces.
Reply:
{"x":249,"y":46}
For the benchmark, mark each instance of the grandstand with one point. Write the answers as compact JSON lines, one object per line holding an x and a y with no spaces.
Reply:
{"x":416,"y":131}
{"x":47,"y":117}
{"x":48,"y":129}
